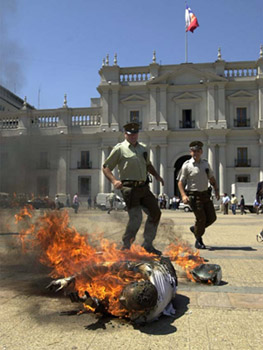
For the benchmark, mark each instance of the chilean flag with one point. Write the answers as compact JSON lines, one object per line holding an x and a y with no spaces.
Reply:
{"x":191,"y":22}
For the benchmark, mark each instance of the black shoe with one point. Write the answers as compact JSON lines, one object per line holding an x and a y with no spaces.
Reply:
{"x":201,"y":241}
{"x":152,"y":250}
{"x":199,"y":245}
{"x":192,"y":229}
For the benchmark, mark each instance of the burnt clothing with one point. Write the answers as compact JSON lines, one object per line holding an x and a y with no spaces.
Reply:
{"x":140,"y":198}
{"x":132,"y":161}
{"x":161,"y":274}
{"x":196,"y":175}
{"x":204,"y":211}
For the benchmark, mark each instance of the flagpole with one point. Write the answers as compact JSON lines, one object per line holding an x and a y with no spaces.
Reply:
{"x":186,"y":42}
{"x":186,"y":47}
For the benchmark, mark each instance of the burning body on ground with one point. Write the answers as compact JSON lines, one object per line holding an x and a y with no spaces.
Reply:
{"x":132,"y":284}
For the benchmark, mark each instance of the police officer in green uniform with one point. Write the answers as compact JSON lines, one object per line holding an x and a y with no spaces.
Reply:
{"x":133,"y":163}
{"x":194,"y":175}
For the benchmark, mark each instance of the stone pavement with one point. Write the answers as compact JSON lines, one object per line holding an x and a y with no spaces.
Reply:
{"x":209,"y":317}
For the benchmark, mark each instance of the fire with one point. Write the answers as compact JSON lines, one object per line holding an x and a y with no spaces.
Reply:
{"x":185,"y":257}
{"x":98,"y":266}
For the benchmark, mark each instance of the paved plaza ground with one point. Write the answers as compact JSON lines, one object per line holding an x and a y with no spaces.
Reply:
{"x":228,"y":316}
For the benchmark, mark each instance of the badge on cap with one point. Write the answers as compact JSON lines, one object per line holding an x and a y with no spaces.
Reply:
{"x":131,"y":128}
{"x":195,"y":145}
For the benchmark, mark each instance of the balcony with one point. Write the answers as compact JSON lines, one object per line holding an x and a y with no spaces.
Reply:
{"x":186,"y":124}
{"x":86,"y":165}
{"x":43,"y":165}
{"x":242,"y":163}
{"x":242,"y":123}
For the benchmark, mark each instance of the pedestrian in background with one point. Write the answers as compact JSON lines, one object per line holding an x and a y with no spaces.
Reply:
{"x":76,"y":203}
{"x":57,"y":204}
{"x":225,"y":201}
{"x":234,"y":203}
{"x":111,"y":198}
{"x":242,"y":205}
{"x":195,"y":174}
{"x":132,"y":159}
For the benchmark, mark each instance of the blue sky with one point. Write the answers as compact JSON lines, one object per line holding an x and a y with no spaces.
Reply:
{"x":57,"y":46}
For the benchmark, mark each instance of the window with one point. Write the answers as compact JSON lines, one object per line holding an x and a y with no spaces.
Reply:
{"x":135,"y":117}
{"x":241,"y":114}
{"x":242,"y":160}
{"x":242,"y":178}
{"x":84,"y":160}
{"x":187,"y":121}
{"x":42,"y":186}
{"x":84,"y":185}
{"x":43,"y":161}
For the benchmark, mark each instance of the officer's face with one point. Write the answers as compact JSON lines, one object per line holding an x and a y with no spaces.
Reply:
{"x":196,"y":154}
{"x":132,"y":138}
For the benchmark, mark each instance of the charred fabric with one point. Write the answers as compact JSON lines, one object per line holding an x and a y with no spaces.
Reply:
{"x":132,"y":284}
{"x":147,"y":299}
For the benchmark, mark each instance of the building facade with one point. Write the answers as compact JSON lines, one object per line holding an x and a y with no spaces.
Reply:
{"x":62,"y":150}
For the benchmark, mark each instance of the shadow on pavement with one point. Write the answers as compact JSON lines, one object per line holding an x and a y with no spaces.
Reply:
{"x":248,"y":249}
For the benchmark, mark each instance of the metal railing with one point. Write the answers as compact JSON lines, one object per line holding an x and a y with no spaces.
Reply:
{"x":186,"y":125}
{"x":242,"y":123}
{"x":242,"y":163}
{"x":84,"y":165}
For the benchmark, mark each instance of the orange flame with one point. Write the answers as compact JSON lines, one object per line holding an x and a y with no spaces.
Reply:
{"x":99,"y":267}
{"x":185,"y":257}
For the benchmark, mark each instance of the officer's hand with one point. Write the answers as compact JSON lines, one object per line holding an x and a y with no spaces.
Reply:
{"x":159,"y":178}
{"x":185,"y":199}
{"x":117,"y":184}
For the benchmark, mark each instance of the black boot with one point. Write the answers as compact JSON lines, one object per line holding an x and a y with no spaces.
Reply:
{"x":199,"y":245}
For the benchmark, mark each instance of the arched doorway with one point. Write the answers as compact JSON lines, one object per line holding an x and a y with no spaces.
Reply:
{"x":177,"y":167}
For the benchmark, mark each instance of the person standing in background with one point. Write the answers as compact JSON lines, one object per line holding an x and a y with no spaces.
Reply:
{"x":242,"y":205}
{"x":225,"y":201}
{"x":76,"y":203}
{"x":233,"y":204}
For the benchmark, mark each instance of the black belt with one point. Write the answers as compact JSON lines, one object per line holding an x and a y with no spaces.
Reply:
{"x":130,"y":183}
{"x":197,"y":193}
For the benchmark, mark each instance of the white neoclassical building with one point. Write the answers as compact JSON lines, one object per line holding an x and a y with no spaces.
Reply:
{"x":62,"y":150}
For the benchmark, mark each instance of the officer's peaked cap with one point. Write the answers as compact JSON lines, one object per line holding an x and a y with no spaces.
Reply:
{"x":195,"y":145}
{"x":131,"y":128}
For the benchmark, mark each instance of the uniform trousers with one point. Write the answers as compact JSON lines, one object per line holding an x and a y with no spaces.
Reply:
{"x":138,"y":199}
{"x":204,"y":211}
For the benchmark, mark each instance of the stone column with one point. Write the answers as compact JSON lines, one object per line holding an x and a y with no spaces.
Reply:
{"x":260,"y":107}
{"x":163,"y":167}
{"x":105,"y":108}
{"x":221,"y":103}
{"x":153,"y":185}
{"x":211,"y":103}
{"x":62,"y":172}
{"x":102,"y":176}
{"x":211,"y":156}
{"x":153,"y":108}
{"x":163,"y":121}
{"x":115,"y":106}
{"x":222,"y":168}
{"x":261,"y":159}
